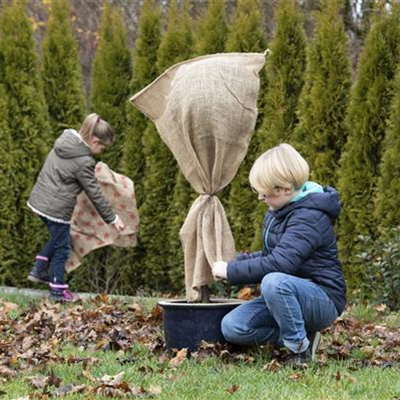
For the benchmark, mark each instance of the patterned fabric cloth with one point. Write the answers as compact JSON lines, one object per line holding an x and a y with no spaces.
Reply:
{"x":88,"y":230}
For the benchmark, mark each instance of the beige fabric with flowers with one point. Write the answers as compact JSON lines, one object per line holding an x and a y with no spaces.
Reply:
{"x":88,"y":230}
{"x":205,"y":111}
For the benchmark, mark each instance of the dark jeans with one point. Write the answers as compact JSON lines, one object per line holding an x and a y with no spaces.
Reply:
{"x":57,"y":249}
{"x":287,"y":309}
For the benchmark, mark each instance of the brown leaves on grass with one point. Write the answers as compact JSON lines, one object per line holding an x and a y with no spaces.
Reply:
{"x":34,"y":338}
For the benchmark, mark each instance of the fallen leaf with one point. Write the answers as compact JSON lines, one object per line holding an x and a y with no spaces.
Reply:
{"x":180,"y":357}
{"x":233,"y":389}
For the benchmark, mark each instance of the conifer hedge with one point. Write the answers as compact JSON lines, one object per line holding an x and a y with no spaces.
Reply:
{"x":245,"y":34}
{"x":321,"y":133}
{"x":30,"y":129}
{"x":161,"y":168}
{"x":144,"y":72}
{"x":111,"y":76}
{"x":367,"y":117}
{"x":284,"y":72}
{"x":62,"y":76}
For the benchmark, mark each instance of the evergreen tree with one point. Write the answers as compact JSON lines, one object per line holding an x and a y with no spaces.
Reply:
{"x":321,"y":133}
{"x":285,"y":72}
{"x":8,"y":212}
{"x":29,"y":125}
{"x":212,"y":31}
{"x":367,"y":116}
{"x":144,"y":72}
{"x":63,"y":86}
{"x":387,"y":210}
{"x":245,"y":35}
{"x":110,"y":91}
{"x":161,"y":168}
{"x":111,"y":77}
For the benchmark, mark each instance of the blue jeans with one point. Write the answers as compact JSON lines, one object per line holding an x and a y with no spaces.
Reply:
{"x":57,"y":249}
{"x":287,"y":309}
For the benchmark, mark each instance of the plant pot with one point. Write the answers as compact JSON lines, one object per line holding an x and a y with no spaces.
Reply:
{"x":187,"y":324}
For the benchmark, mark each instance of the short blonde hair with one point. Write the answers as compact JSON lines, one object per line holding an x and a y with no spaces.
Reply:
{"x":280,"y":167}
{"x":93,"y":125}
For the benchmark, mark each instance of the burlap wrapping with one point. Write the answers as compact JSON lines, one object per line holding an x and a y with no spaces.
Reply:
{"x":205,"y":111}
{"x":88,"y":230}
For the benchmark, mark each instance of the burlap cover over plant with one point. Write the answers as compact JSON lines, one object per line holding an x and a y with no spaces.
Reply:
{"x":205,"y":111}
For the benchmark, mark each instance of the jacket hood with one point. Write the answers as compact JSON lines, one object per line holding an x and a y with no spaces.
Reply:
{"x":71,"y":145}
{"x":328,"y":202}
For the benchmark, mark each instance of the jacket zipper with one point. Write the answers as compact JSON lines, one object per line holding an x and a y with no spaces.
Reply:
{"x":266,"y":234}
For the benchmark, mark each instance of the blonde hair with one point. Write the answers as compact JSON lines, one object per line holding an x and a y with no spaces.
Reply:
{"x":93,"y":125}
{"x":280,"y":167}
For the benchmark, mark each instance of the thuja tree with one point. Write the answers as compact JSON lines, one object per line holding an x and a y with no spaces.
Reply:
{"x":104,"y":269}
{"x":245,"y":35}
{"x":144,"y":71}
{"x":8,"y":212}
{"x":29,"y":127}
{"x":321,"y":133}
{"x":387,"y":211}
{"x":285,"y":72}
{"x":62,"y":76}
{"x":212,"y":30}
{"x":161,"y":168}
{"x":112,"y":71}
{"x":368,"y":112}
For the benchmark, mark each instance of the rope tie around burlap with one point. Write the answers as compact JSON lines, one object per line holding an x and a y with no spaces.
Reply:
{"x":205,"y":111}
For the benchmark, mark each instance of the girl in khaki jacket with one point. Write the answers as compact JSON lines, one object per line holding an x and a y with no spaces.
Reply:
{"x":67,"y":171}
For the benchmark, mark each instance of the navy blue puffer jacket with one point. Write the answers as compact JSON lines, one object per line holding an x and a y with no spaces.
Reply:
{"x":298,"y":240}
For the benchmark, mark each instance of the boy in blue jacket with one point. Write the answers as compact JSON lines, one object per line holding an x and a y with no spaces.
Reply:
{"x":302,"y":285}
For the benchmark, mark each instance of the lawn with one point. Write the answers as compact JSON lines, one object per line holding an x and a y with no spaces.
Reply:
{"x":107,"y":347}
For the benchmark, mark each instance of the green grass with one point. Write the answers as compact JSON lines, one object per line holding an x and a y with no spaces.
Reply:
{"x":213,"y":378}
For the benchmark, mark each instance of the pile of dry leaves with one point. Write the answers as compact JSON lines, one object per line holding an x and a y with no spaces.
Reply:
{"x":33,"y":340}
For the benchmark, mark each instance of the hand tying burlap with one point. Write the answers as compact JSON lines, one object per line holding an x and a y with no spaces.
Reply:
{"x":89,"y":232}
{"x":205,"y":111}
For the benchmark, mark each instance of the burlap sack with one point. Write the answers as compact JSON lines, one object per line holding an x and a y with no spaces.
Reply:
{"x":205,"y":111}
{"x":88,"y":230}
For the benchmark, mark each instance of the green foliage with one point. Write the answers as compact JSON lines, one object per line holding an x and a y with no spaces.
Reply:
{"x":29,"y":127}
{"x":381,"y":259}
{"x":112,"y":71}
{"x":144,"y":72}
{"x":245,"y":33}
{"x":62,"y":76}
{"x":212,"y":30}
{"x":161,"y":168}
{"x":321,"y":133}
{"x":285,"y":71}
{"x":8,"y":212}
{"x":182,"y":199}
{"x":285,"y":76}
{"x":387,"y":210}
{"x":367,"y":116}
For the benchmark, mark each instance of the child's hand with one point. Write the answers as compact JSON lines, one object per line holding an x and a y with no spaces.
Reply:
{"x":119,"y":225}
{"x":219,"y":270}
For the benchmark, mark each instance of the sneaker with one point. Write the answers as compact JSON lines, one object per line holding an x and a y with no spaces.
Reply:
{"x":60,"y":293}
{"x":301,"y":360}
{"x":39,"y":275}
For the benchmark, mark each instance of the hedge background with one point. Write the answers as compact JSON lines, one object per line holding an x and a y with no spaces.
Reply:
{"x":330,"y":88}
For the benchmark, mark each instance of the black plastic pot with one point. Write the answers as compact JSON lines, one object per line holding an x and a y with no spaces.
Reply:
{"x":187,"y":324}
